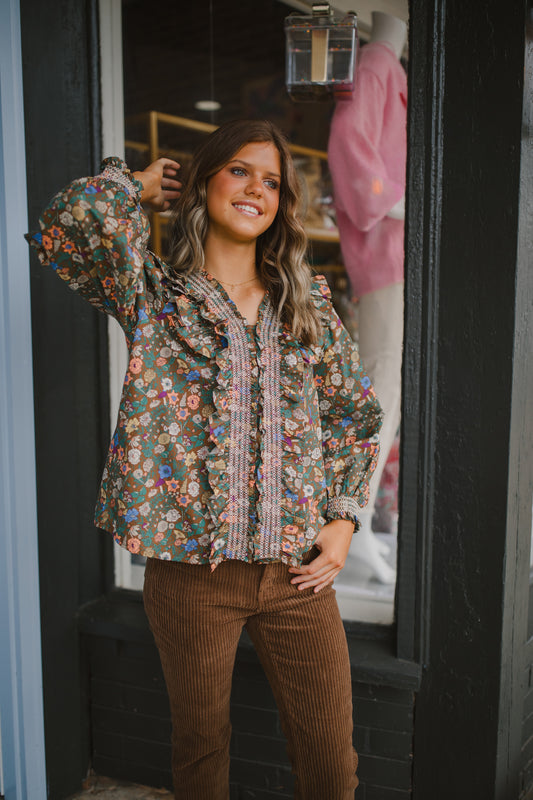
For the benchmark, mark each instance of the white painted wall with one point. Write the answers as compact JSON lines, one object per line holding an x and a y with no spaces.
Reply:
{"x":127,"y":575}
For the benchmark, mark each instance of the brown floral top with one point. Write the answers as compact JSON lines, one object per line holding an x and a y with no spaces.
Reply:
{"x":231,"y":443}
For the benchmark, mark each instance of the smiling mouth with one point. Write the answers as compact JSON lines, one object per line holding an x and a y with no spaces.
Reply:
{"x":246,"y":209}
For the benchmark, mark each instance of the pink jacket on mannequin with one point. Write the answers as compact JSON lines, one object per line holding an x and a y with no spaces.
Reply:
{"x":367,"y":154}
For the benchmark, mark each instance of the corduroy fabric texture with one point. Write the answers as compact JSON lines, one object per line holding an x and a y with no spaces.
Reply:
{"x":197,"y":617}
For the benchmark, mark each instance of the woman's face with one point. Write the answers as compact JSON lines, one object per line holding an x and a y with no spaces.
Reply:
{"x":243,"y":196}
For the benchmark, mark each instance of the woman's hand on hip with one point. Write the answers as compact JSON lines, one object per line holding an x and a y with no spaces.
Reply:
{"x":160,"y":186}
{"x":333,"y":541}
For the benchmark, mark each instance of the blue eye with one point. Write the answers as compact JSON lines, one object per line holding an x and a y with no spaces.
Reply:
{"x":238,"y":171}
{"x":272,"y":184}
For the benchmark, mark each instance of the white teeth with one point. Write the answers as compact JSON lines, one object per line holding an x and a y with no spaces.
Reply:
{"x":249,"y":209}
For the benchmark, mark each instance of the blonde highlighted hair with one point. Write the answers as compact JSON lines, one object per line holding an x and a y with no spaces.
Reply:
{"x":280,"y":250}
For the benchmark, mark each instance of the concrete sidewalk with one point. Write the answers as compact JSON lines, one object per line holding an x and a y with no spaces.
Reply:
{"x":108,"y":789}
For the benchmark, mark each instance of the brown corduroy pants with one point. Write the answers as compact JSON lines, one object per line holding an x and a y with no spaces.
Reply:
{"x":197,"y":617}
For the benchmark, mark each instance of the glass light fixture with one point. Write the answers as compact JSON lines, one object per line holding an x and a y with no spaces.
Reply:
{"x":320,"y":54}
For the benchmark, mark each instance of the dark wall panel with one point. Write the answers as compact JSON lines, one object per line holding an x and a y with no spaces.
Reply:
{"x":60,"y":70}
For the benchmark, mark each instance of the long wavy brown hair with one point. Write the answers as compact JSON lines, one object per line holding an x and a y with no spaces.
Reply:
{"x":280,"y":250}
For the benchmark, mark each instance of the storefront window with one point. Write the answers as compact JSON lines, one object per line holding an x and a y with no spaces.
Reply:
{"x":187,"y":68}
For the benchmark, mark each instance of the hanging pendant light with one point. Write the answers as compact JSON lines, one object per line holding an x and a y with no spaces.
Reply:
{"x":210,"y":104}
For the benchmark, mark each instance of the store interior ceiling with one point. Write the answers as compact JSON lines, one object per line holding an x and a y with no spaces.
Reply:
{"x":186,"y":53}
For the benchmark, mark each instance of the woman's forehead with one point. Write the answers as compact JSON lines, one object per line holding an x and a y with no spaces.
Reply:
{"x":264,"y":155}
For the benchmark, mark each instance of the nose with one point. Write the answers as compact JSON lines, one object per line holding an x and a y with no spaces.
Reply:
{"x":255,"y":187}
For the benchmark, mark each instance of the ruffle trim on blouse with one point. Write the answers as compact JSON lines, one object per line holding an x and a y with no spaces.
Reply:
{"x":190,"y":304}
{"x":269,"y":503}
{"x":302,"y":514}
{"x":222,"y":507}
{"x":228,"y":460}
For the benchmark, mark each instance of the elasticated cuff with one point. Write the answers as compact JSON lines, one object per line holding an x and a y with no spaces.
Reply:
{"x":115,"y":170}
{"x":343,"y":507}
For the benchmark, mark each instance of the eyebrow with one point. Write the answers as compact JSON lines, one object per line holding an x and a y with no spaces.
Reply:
{"x":247,"y":164}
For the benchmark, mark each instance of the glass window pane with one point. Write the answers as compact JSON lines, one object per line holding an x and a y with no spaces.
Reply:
{"x":170,"y":65}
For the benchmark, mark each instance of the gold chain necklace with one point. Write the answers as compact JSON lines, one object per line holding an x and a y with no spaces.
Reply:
{"x":233,"y":286}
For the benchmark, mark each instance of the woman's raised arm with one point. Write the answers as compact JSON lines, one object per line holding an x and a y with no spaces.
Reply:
{"x":94,"y":234}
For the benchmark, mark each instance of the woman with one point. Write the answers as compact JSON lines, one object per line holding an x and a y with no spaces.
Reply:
{"x":245,"y":439}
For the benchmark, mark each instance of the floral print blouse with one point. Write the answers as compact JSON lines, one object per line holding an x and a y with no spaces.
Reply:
{"x":232,"y":442}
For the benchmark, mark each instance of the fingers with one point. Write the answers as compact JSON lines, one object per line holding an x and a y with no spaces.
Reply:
{"x":333,"y":542}
{"x":168,"y":176}
{"x":163,"y":166}
{"x":170,"y":188}
{"x":322,"y":571}
{"x":170,"y":191}
{"x":168,"y":184}
{"x":317,"y":581}
{"x":166,"y":166}
{"x":326,"y":581}
{"x":171,"y":194}
{"x":168,"y":163}
{"x":166,"y":202}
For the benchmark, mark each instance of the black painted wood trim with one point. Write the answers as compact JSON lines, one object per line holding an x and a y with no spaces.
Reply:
{"x":467,"y":709}
{"x":426,"y":87}
{"x":62,"y":125}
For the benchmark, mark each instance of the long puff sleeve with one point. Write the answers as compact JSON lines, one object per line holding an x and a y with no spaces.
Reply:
{"x":94,"y":235}
{"x":365,"y":187}
{"x":350,"y":415}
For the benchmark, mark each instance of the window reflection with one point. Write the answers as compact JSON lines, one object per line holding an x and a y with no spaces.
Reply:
{"x":249,"y":80}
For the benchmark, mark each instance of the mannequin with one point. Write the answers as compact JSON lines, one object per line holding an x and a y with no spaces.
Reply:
{"x":389,"y":30}
{"x":367,"y":156}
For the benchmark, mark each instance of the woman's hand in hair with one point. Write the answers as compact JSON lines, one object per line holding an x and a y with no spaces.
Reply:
{"x":333,"y":541}
{"x":160,"y":186}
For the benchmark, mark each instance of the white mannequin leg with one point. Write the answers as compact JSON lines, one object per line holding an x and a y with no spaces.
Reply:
{"x":380,"y":348}
{"x":366,"y":547}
